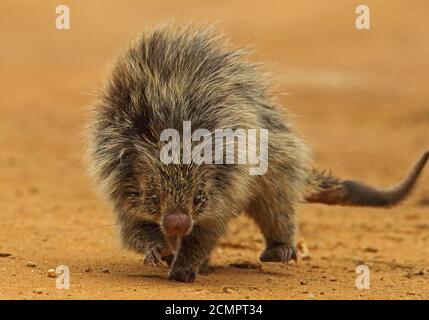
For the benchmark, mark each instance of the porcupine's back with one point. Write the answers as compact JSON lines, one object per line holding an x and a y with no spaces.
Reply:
{"x":170,"y":75}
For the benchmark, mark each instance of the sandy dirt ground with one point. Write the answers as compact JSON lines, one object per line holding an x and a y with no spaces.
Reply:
{"x":360,"y":98}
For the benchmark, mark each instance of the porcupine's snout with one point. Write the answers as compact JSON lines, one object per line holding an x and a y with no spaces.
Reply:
{"x":176,"y":223}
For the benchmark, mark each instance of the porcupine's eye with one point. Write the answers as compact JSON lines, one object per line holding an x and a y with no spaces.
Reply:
{"x":135,"y":194}
{"x":154,"y":199}
{"x":198,"y":197}
{"x":152,"y":202}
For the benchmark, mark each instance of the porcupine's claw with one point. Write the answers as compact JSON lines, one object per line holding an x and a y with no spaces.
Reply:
{"x":279,"y":253}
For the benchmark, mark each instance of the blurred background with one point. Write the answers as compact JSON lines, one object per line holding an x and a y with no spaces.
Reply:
{"x":359,"y":97}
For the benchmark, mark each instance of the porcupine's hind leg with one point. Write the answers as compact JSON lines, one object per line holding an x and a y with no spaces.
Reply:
{"x":276,"y":219}
{"x":274,"y":204}
{"x":277,"y":192}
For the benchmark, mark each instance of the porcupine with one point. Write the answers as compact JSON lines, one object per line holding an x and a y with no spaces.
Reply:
{"x":176,"y":213}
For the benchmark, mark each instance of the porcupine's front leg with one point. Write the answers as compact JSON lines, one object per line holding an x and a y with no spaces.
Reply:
{"x":147,"y":238}
{"x":159,"y":254}
{"x":194,"y":251}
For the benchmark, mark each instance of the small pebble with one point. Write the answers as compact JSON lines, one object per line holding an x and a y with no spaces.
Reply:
{"x":409,"y":274}
{"x":228,"y":289}
{"x":304,"y":253}
{"x":4,"y":255}
{"x":52,"y":273}
{"x":370,"y":250}
{"x":31,"y":264}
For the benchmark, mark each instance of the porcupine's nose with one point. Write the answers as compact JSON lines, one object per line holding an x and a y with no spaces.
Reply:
{"x":177,"y":223}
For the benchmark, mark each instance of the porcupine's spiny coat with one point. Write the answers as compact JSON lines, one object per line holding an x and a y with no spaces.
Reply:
{"x":177,"y":213}
{"x":159,"y":81}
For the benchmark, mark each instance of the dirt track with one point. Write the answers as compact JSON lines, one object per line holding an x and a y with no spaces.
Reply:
{"x":359,"y":97}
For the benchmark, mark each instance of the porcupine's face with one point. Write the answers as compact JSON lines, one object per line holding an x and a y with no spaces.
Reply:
{"x":175,"y":196}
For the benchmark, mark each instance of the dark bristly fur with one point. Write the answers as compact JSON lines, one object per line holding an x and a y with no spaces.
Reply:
{"x":169,"y":76}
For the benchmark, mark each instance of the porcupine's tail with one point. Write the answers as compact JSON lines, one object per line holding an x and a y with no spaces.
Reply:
{"x":327,"y":189}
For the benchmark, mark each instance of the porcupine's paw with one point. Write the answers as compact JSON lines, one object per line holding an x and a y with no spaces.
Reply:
{"x":168,"y":259}
{"x":279,"y":253}
{"x":158,"y":255}
{"x":182,"y":274}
